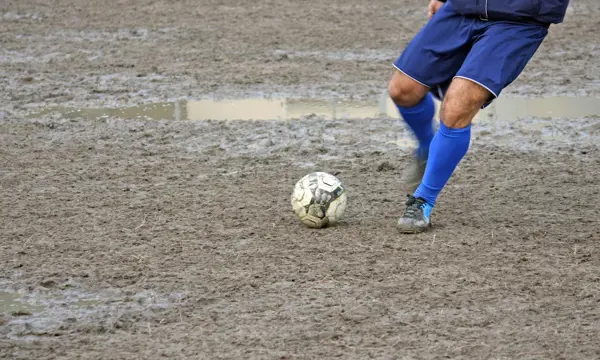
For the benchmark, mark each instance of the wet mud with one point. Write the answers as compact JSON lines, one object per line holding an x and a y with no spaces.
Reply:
{"x":127,"y":237}
{"x":197,"y":215}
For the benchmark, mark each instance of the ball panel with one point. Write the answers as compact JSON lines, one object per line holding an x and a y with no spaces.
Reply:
{"x":299,"y":209}
{"x":337,"y":208}
{"x":314,"y":222}
{"x":302,"y":194}
{"x":327,"y":181}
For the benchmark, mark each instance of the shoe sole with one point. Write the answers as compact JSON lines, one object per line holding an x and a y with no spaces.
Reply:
{"x":412,"y":230}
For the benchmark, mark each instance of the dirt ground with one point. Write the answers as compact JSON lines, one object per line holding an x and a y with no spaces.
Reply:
{"x":180,"y":235}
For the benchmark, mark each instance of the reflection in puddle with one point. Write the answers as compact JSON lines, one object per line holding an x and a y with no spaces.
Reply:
{"x":551,"y":107}
{"x":503,"y":109}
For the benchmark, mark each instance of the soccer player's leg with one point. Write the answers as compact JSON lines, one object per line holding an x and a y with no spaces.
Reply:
{"x":461,"y":103}
{"x":432,"y":57}
{"x":497,"y":58}
{"x":417,"y":108}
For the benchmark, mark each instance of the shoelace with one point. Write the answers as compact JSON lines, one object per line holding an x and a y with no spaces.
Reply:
{"x":413,"y":208}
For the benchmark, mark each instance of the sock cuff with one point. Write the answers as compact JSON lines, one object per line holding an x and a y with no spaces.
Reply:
{"x":425,"y":102}
{"x":448,"y":130}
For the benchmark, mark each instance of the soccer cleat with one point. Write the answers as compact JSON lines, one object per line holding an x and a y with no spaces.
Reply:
{"x":414,"y":175}
{"x":417,"y":216}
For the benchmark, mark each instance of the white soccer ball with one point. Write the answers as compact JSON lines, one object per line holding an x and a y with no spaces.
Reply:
{"x":319,"y":200}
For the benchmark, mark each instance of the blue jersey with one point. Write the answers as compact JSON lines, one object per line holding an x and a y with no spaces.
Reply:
{"x":544,"y":11}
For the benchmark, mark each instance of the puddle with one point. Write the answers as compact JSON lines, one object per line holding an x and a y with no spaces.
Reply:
{"x":29,"y":314}
{"x":503,"y":109}
{"x":11,"y":304}
{"x":85,"y":303}
{"x":14,"y":304}
{"x":550,"y":107}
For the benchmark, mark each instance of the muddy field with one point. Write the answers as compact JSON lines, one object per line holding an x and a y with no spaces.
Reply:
{"x":126,"y":239}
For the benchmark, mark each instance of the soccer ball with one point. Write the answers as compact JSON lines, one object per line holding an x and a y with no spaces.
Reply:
{"x":319,"y":200}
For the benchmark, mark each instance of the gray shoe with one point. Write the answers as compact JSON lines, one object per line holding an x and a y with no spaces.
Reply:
{"x":416,"y":217}
{"x":414,"y":175}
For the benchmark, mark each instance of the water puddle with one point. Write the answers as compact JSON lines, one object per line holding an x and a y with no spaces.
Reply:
{"x":29,"y":314}
{"x":86,"y":303}
{"x":550,"y":107}
{"x":16,"y":305}
{"x":12,"y":304}
{"x":503,"y":109}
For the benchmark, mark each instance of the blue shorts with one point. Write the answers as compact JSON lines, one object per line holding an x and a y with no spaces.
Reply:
{"x":489,"y":53}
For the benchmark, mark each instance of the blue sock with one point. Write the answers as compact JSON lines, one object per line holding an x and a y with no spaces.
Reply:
{"x":420,"y":120}
{"x":448,"y":147}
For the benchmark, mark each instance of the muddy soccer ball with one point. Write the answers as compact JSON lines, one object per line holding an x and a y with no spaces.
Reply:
{"x":319,"y":200}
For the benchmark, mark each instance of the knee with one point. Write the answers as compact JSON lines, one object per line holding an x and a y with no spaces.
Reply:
{"x":457,"y":112}
{"x":451,"y":113}
{"x":462,"y":102}
{"x":405,"y":93}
